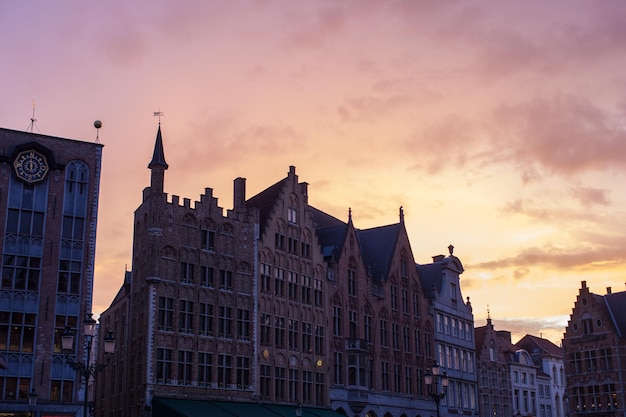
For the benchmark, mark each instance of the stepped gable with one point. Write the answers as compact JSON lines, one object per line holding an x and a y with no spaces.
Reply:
{"x":378,"y":246}
{"x":616,"y":304}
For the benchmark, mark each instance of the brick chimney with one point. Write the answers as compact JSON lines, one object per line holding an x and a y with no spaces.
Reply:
{"x":239,"y":191}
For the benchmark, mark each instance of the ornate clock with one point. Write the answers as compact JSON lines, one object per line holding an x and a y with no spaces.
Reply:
{"x":30,"y":166}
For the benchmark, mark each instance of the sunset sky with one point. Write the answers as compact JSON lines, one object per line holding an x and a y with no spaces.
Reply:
{"x":499,"y":126}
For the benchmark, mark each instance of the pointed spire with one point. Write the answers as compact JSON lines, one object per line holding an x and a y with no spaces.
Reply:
{"x":158,"y":157}
{"x":401,"y":214}
{"x":349,"y":214}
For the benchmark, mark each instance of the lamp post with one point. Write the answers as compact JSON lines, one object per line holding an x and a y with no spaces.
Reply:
{"x":87,"y":369}
{"x":32,"y":401}
{"x":437,"y":384}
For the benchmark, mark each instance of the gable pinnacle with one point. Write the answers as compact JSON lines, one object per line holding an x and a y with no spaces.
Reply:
{"x":158,"y":156}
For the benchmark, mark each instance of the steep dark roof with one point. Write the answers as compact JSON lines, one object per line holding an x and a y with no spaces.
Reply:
{"x":430,"y":277}
{"x":331,"y":240}
{"x":378,"y":245}
{"x":538,"y":345}
{"x":616,"y":304}
{"x":264,"y":202}
{"x":158,"y":156}
{"x":322,"y":220}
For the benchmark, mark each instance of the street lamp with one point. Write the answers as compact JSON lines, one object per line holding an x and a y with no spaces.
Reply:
{"x":87,"y":369}
{"x":437,"y":384}
{"x":32,"y":401}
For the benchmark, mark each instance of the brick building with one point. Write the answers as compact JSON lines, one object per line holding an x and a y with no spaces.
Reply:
{"x":594,"y":348}
{"x":382,"y":332}
{"x":49,"y":190}
{"x":493,"y":357}
{"x":273,"y":305}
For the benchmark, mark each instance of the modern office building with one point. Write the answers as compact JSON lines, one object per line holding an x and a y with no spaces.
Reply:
{"x":594,"y":347}
{"x":49,"y":190}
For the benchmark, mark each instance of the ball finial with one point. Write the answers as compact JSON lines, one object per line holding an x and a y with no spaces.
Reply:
{"x":97,"y":124}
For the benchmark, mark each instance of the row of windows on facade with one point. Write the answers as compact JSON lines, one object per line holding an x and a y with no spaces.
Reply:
{"x":409,"y":337}
{"x":456,"y":358}
{"x":293,"y":246}
{"x":296,"y":287}
{"x":17,"y":331}
{"x":591,"y":360}
{"x":526,"y":378}
{"x":595,"y":398}
{"x":18,"y":388}
{"x":204,"y":325}
{"x":361,"y":373}
{"x":22,"y":273}
{"x":233,"y":372}
{"x":455,"y":327}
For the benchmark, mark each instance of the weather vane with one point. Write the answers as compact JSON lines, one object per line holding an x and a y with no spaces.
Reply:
{"x":158,"y":114}
{"x":33,"y":121}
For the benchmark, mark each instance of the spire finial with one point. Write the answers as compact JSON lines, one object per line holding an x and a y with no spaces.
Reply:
{"x":451,"y":249}
{"x":349,"y":213}
{"x":158,"y":114}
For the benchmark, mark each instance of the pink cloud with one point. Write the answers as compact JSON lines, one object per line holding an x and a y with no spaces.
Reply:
{"x":566,"y":135}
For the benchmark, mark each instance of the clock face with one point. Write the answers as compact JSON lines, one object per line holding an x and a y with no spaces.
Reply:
{"x":30,"y":166}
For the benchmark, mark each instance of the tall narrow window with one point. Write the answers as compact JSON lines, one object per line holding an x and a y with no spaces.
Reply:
{"x":351,"y":281}
{"x":224,"y":370}
{"x":184,"y":367}
{"x":185,"y":323}
{"x":164,"y":365}
{"x":243,"y":324}
{"x":243,"y":372}
{"x":205,"y":368}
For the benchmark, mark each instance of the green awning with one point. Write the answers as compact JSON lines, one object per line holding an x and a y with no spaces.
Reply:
{"x":246,"y":409}
{"x":169,"y":407}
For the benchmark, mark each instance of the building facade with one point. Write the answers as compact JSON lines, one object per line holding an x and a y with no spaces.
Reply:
{"x":382,"y":334}
{"x":274,"y":303}
{"x":493,"y":357}
{"x":548,"y":357}
{"x":49,"y":190}
{"x":185,"y":315}
{"x":594,"y":350}
{"x":454,"y":332}
{"x":523,"y":383}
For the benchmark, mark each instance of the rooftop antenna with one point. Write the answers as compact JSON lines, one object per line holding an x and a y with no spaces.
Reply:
{"x":97,"y":124}
{"x":158,"y":114}
{"x":33,"y":121}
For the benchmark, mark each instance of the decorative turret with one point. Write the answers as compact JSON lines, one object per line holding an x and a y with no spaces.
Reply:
{"x":158,"y":165}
